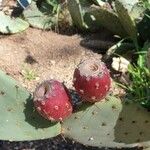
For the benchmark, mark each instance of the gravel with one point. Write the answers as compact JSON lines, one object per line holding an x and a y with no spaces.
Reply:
{"x":57,"y":143}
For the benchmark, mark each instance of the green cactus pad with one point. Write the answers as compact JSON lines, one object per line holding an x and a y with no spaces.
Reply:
{"x":18,"y":119}
{"x":10,"y":25}
{"x":123,"y":8}
{"x":99,"y":16}
{"x":85,"y":15}
{"x":110,"y":123}
{"x":37,"y":18}
{"x":77,"y":13}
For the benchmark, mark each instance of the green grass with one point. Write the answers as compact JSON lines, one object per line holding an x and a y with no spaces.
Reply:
{"x":29,"y":74}
{"x":145,"y":3}
{"x":140,"y":82}
{"x":139,"y":87}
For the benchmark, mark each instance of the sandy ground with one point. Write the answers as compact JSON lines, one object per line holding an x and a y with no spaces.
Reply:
{"x":46,"y":54}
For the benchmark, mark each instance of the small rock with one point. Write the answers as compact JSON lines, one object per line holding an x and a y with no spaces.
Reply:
{"x":53,"y":62}
{"x":120,"y":64}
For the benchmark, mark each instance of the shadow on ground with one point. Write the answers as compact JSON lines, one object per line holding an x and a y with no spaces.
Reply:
{"x":98,"y":41}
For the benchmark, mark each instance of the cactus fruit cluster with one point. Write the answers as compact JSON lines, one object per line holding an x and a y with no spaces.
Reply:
{"x":91,"y":81}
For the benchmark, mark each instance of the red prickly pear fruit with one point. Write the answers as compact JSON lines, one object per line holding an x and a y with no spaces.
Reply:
{"x":52,"y":101}
{"x":92,"y":80}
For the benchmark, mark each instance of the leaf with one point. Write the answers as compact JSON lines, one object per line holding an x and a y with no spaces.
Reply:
{"x":141,"y":61}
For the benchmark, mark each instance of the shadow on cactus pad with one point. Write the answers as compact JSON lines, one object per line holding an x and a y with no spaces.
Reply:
{"x":33,"y":118}
{"x":110,"y":123}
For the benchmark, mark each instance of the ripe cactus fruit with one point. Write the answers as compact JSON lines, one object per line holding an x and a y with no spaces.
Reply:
{"x":92,"y":80}
{"x":52,"y":101}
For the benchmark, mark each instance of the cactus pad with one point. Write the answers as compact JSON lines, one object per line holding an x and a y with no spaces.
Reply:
{"x":111,"y":123}
{"x":99,"y":16}
{"x":18,"y":120}
{"x":123,"y":8}
{"x":37,"y":18}
{"x":86,"y":15}
{"x":10,"y":25}
{"x":77,"y":13}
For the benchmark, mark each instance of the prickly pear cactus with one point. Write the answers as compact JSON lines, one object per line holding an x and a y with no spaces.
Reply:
{"x":85,"y":15}
{"x":98,"y":16}
{"x":18,"y":120}
{"x":141,"y":17}
{"x":123,"y":8}
{"x":77,"y":13}
{"x":111,"y":123}
{"x":9,"y":25}
{"x":40,"y":18}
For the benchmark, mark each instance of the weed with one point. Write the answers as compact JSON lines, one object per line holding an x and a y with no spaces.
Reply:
{"x":139,"y":87}
{"x":29,"y":74}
